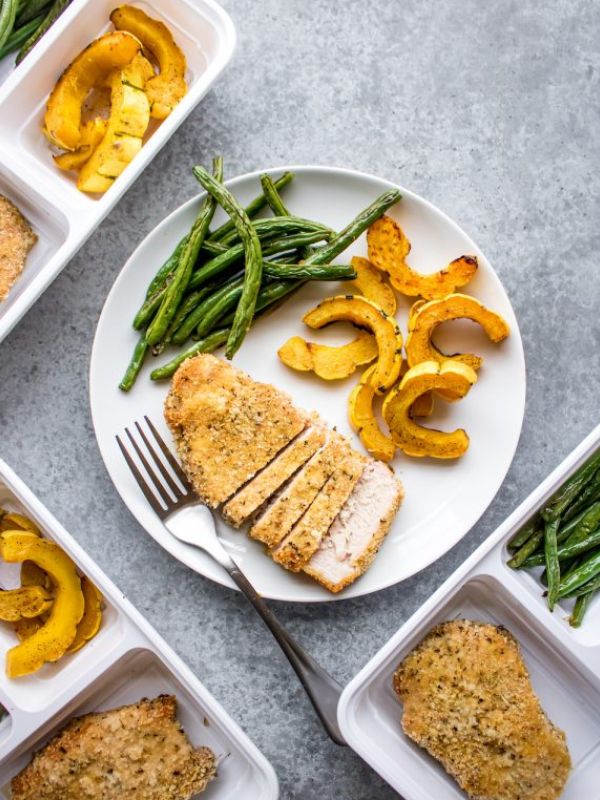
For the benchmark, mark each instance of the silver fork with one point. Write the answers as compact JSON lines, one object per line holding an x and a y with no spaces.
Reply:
{"x":184,"y":515}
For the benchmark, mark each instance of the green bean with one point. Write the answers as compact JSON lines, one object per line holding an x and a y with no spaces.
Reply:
{"x":208,"y":345}
{"x":569,"y":491}
{"x":183,"y":272}
{"x":227,"y":301}
{"x":8,"y":14}
{"x":585,"y":572}
{"x":319,"y":272}
{"x":552,"y":562}
{"x":568,"y":527}
{"x":523,"y":553}
{"x":566,"y":551}
{"x":588,"y":523}
{"x":192,"y":320}
{"x":591,"y":586}
{"x":33,"y":8}
{"x":354,"y":229}
{"x":18,"y":36}
{"x":135,"y":365}
{"x":253,"y":208}
{"x":581,"y":606}
{"x":590,"y":494}
{"x":188,"y":305}
{"x":272,"y":197}
{"x":273,"y":227}
{"x":523,"y":534}
{"x":148,"y":309}
{"x":56,"y":9}
{"x":268,"y":296}
{"x":253,"y":256}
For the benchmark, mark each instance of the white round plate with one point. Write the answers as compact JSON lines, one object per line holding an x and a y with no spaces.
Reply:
{"x":443,"y":499}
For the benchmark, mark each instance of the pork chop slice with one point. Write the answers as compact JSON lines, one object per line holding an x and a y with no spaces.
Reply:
{"x":226,"y":426}
{"x":280,"y":515}
{"x":16,"y":240}
{"x":356,"y":534}
{"x":254,"y":494}
{"x":301,"y":543}
{"x":468,"y":700}
{"x":137,"y":752}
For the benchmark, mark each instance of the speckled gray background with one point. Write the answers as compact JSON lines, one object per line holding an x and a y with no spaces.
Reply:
{"x":491,"y":111}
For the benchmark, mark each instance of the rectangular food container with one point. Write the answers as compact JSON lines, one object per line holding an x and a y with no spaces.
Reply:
{"x":61,"y":215}
{"x":127,"y":660}
{"x":563,"y":662}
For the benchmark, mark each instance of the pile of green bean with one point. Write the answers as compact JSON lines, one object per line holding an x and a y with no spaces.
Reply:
{"x":564,"y":537}
{"x":214,"y":285}
{"x":24,"y":22}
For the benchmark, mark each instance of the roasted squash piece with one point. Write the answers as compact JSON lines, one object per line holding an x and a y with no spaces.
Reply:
{"x":89,"y":624}
{"x":422,"y":325}
{"x":51,"y":641}
{"x":413,"y":439}
{"x":11,"y":520}
{"x":32,"y":575}
{"x":328,"y":362}
{"x":363,"y":420}
{"x":62,"y":122}
{"x":92,"y":132}
{"x":371,"y":284}
{"x":388,"y":250}
{"x":365,"y":314}
{"x":122,"y":141}
{"x":424,"y":404}
{"x":166,"y":89}
{"x":25,"y":602}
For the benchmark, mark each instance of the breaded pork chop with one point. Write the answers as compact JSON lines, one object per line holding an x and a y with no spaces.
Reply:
{"x":468,"y":701}
{"x":16,"y":240}
{"x":227,"y":427}
{"x":137,"y":752}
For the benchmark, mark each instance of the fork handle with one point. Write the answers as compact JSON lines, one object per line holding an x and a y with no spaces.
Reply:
{"x":324,"y":692}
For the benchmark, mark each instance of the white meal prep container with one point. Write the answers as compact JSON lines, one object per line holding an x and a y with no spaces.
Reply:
{"x":126,"y":660}
{"x":563,"y":662}
{"x":61,"y":215}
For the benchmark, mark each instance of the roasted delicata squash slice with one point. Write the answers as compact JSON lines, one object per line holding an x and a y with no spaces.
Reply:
{"x":127,"y":124}
{"x":62,"y":121}
{"x":23,"y":603}
{"x":363,"y":420}
{"x":407,"y":435}
{"x":89,"y":625}
{"x":371,"y":284}
{"x":329,"y":362}
{"x":32,"y":575}
{"x":52,"y":640}
{"x":365,"y":314}
{"x":424,"y":404}
{"x":11,"y":520}
{"x":422,"y":325}
{"x":166,"y":89}
{"x":92,"y":133}
{"x":388,"y":250}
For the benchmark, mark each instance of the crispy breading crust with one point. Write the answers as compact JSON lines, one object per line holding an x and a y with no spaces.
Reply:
{"x":136,"y":752}
{"x":227,"y":427}
{"x":468,"y":701}
{"x":16,"y":240}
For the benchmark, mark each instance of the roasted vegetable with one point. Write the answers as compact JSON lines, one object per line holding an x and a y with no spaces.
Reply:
{"x":413,"y":439}
{"x":166,"y":89}
{"x":363,"y":420}
{"x":122,"y":141}
{"x":9,"y":520}
{"x":26,"y":602}
{"x":92,"y":133}
{"x":388,"y":249}
{"x":424,"y":404}
{"x":424,"y":321}
{"x":89,"y":625}
{"x":54,"y":12}
{"x":62,"y":122}
{"x":329,"y":362}
{"x":365,"y":314}
{"x":52,"y":640}
{"x":370,"y":284}
{"x":32,"y":575}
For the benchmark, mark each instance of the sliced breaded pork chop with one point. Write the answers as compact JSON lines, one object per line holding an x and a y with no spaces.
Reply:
{"x":306,"y":535}
{"x":16,"y":240}
{"x":352,"y":541}
{"x":280,"y":516}
{"x":227,"y":427}
{"x":254,"y":494}
{"x":468,"y":701}
{"x":137,"y":752}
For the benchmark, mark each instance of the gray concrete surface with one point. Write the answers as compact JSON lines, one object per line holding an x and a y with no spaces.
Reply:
{"x":490,"y":110}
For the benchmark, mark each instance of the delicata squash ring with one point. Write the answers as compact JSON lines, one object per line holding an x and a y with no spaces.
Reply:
{"x":370,"y":283}
{"x":413,"y":439}
{"x":166,"y":89}
{"x":62,"y":122}
{"x":363,"y":420}
{"x":365,"y":314}
{"x":51,"y":641}
{"x":388,"y":250}
{"x":328,"y":362}
{"x":423,"y":322}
